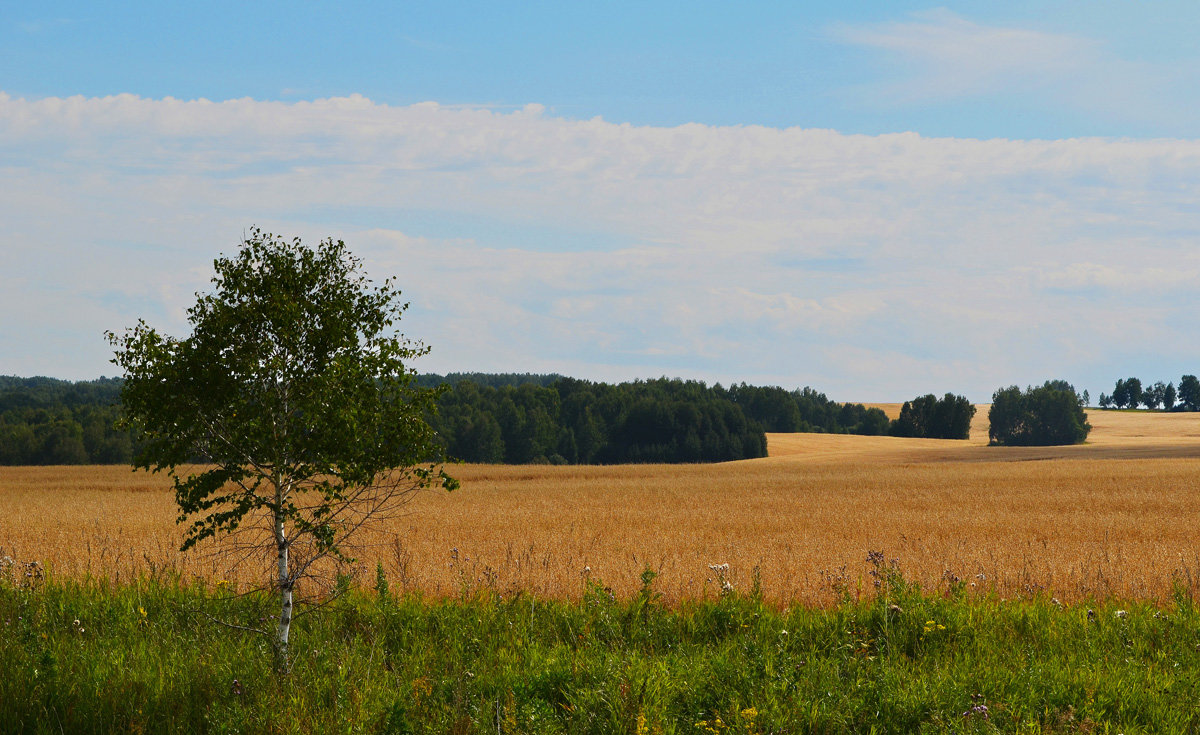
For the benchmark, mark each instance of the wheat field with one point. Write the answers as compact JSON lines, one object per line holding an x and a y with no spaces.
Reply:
{"x":1114,"y":517}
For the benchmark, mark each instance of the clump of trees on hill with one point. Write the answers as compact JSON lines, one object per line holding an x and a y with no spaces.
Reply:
{"x":1049,"y":414}
{"x":930,"y":418}
{"x":805,"y":410}
{"x":1129,"y":393}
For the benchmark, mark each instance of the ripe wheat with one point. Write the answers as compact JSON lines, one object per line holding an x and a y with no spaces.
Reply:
{"x":1114,"y":517}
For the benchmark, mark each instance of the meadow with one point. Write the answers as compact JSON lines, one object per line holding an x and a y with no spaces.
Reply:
{"x":1111,"y":518}
{"x":138,"y":658}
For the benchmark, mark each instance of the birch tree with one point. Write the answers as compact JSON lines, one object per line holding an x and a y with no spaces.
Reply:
{"x":289,"y":420}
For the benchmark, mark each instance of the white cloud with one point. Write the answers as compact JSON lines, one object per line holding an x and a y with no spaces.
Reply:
{"x":528,"y":242}
{"x":964,"y":57}
{"x":939,"y":55}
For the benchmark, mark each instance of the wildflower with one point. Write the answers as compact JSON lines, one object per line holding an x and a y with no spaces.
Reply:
{"x":1091,"y":615}
{"x":749,"y":713}
{"x":932,"y":625}
{"x":236,"y":688}
{"x":1120,"y":614}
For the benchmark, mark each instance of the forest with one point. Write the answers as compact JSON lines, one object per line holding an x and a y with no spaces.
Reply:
{"x":570,"y":421}
{"x":44,"y":421}
{"x":502,"y":418}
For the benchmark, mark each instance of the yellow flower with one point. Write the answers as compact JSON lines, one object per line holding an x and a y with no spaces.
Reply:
{"x":750,"y":713}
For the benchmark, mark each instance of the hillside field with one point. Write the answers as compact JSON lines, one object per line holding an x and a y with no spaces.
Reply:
{"x":1115,"y":517}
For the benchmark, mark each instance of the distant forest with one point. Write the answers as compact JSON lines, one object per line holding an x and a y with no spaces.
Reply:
{"x":48,"y":421}
{"x":509,"y":418}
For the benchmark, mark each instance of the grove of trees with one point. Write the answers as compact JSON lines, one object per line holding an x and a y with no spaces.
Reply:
{"x":1049,"y":414}
{"x":930,"y":418}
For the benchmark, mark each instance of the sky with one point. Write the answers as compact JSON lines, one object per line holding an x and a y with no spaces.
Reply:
{"x":875,"y":199}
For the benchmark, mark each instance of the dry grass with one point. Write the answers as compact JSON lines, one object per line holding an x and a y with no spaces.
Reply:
{"x":1116,"y":516}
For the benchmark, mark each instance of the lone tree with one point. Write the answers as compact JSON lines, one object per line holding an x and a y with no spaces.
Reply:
{"x":294,"y":396}
{"x":1047,"y":415}
{"x":1189,"y":392}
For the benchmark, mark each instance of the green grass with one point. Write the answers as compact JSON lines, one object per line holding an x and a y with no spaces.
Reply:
{"x":906,"y":662}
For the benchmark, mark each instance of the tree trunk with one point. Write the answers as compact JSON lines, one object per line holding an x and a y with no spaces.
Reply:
{"x":285,"y":596}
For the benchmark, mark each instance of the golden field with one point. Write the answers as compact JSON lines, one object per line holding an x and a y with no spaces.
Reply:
{"x":1116,"y":516}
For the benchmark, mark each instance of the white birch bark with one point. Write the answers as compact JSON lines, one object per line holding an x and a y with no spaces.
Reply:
{"x":285,"y":588}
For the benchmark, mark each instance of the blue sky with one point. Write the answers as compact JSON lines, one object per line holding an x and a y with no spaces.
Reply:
{"x":822,"y":65}
{"x":876,"y":199}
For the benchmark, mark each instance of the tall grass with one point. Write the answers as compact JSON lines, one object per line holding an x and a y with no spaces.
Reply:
{"x":143,"y":656}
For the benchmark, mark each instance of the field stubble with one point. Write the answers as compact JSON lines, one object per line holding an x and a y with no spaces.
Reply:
{"x":1115,"y":517}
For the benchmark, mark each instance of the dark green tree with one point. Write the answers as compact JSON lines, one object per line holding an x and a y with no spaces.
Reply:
{"x":1169,"y":397}
{"x":1189,"y":392}
{"x":916,"y":417}
{"x":1153,"y":395}
{"x":1127,"y":393}
{"x":294,"y":392}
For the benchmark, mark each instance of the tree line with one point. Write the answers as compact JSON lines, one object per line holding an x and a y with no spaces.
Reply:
{"x":571,"y":421}
{"x":522,"y":418}
{"x":1129,"y":393}
{"x":513,"y":418}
